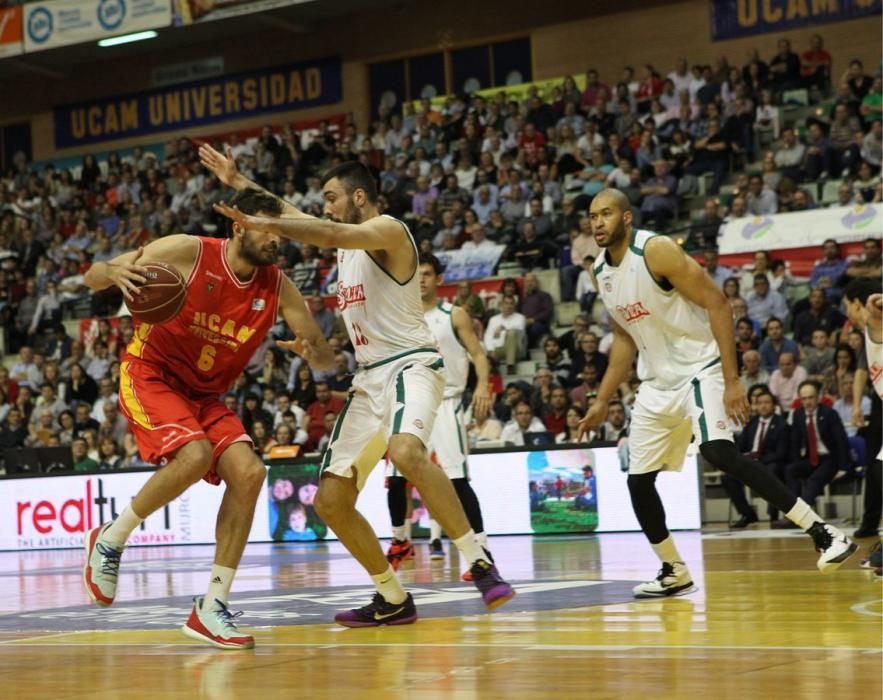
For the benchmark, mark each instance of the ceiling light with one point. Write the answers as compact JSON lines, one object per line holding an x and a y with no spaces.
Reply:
{"x":128,"y":38}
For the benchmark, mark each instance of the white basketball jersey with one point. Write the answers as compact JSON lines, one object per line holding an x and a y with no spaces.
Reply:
{"x":441,"y":324}
{"x":672,"y":334}
{"x":383,"y":317}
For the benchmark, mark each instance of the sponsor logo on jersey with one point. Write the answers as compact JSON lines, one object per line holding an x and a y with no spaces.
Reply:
{"x":213,"y":275}
{"x":876,"y":372}
{"x":350,"y":296}
{"x":259,"y":305}
{"x":632,"y":312}
{"x":209,"y":287}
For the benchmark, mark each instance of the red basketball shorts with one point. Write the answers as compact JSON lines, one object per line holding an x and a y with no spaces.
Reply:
{"x":163,"y":419}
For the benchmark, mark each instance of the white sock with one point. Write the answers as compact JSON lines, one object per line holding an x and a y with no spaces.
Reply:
{"x":219,"y":584}
{"x":408,"y":528}
{"x":122,"y":527}
{"x":435,"y":531}
{"x":481,"y":538}
{"x":389,"y":587}
{"x":667,"y":552}
{"x":398,"y":532}
{"x":469,"y":548}
{"x":802,"y":515}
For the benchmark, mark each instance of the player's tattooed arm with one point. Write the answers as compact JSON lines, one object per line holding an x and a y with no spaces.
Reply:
{"x":126,"y":271}
{"x":223,"y":167}
{"x":667,"y":261}
{"x":309,"y":342}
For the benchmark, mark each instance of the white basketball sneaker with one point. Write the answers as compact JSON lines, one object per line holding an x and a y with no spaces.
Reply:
{"x":833,"y":546}
{"x":673,"y":579}
{"x":216,"y":625}
{"x":102,"y":567}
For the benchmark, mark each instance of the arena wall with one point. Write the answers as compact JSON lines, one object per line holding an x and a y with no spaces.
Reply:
{"x":567,"y":37}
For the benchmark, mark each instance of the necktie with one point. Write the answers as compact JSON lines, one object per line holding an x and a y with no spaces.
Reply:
{"x":763,"y":425}
{"x":813,"y":441}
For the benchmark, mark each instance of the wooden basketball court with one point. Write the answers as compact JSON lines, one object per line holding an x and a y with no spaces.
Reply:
{"x":763,"y":624}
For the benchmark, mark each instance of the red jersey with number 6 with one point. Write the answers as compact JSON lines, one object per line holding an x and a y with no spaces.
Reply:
{"x":224,"y":321}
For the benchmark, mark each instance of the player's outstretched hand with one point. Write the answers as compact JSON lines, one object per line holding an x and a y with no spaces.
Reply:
{"x":128,"y":276}
{"x":244,"y":220}
{"x":303,"y":347}
{"x":593,"y":419}
{"x":222,"y":167}
{"x":736,"y":403}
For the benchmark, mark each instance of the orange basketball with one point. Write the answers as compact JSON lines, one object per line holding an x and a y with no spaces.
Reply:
{"x":161,"y":298}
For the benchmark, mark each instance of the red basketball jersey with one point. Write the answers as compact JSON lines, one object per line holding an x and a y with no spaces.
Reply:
{"x":222,"y":324}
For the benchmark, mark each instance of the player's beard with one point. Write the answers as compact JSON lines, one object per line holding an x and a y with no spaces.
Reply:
{"x":616,"y":235}
{"x":257,"y":255}
{"x":352,"y":214}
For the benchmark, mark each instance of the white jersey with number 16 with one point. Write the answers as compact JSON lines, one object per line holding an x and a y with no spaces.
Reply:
{"x":383,"y":317}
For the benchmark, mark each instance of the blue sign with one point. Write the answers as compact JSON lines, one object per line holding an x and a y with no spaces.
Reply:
{"x":735,"y":18}
{"x":280,"y":89}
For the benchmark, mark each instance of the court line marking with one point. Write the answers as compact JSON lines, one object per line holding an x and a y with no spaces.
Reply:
{"x":480,"y":645}
{"x":10,"y":642}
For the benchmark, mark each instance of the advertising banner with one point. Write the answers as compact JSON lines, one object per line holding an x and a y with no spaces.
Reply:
{"x":801,"y":229}
{"x":11,"y":32}
{"x":735,"y":18}
{"x":521,"y":492}
{"x":209,"y":101}
{"x":191,"y":11}
{"x":470,"y":264}
{"x":56,"y":23}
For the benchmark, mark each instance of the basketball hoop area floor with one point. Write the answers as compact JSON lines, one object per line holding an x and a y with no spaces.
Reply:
{"x":763,"y":624}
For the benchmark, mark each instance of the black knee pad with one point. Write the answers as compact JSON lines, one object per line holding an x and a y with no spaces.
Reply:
{"x":719,"y":452}
{"x":642,"y":483}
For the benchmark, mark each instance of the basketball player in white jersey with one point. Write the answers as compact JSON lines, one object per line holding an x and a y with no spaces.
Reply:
{"x":665,"y":309}
{"x":864,"y":307}
{"x":396,"y":391}
{"x":452,"y":328}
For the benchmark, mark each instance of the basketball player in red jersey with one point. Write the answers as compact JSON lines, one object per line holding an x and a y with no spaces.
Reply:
{"x":171,"y":378}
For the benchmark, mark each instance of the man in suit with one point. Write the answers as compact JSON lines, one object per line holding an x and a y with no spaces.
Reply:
{"x":764,"y":439}
{"x":818,"y":445}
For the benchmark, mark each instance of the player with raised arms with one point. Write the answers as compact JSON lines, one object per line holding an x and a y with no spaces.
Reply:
{"x":397,"y":390}
{"x":171,"y":378}
{"x":668,"y":312}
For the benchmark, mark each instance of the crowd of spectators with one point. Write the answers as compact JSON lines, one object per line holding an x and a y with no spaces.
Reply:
{"x":469,"y":173}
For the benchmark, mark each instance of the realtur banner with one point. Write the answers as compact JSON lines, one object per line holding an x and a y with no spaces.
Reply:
{"x":64,"y":22}
{"x":214,"y":100}
{"x":802,"y":229}
{"x":734,"y":18}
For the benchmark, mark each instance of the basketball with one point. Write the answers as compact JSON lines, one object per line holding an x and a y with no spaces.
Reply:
{"x":161,"y":298}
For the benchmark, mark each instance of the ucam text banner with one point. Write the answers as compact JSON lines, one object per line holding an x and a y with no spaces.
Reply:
{"x":734,"y":18}
{"x":214,"y":100}
{"x":470,"y":264}
{"x":802,"y":229}
{"x":10,"y":32}
{"x":55,"y":23}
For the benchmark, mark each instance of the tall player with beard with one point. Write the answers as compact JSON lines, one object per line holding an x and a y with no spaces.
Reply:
{"x":669,"y":313}
{"x":171,"y":379}
{"x":452,"y":328}
{"x":396,"y":391}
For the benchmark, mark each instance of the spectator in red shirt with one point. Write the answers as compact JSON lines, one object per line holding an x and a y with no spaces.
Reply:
{"x":815,"y":64}
{"x":324,"y":403}
{"x":595,"y":90}
{"x":530,"y":144}
{"x":649,"y":88}
{"x":555,"y":414}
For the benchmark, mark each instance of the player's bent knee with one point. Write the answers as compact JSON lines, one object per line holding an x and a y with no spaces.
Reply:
{"x":335,"y":498}
{"x":193,"y":460}
{"x":406,"y":452}
{"x":718,"y":452}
